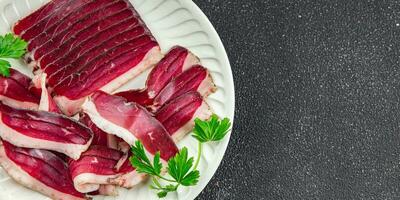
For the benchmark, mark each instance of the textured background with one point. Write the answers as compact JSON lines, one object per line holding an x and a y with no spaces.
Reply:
{"x":317,"y":85}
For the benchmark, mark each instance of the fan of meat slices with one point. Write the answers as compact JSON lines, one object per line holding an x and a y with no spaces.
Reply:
{"x":64,"y":133}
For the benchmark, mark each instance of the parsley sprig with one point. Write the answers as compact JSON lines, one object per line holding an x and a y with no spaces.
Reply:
{"x":10,"y":47}
{"x":180,"y":168}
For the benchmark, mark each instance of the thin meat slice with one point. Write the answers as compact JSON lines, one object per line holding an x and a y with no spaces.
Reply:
{"x":67,"y":22}
{"x":39,"y":15}
{"x":62,"y":76}
{"x":55,"y":17}
{"x":127,"y":176}
{"x":14,"y":91}
{"x":39,"y":170}
{"x":87,"y":52}
{"x":95,"y":167}
{"x":38,"y":87}
{"x":178,"y":116}
{"x":99,"y":136}
{"x":177,"y":60}
{"x":97,"y":30}
{"x":107,"y":78}
{"x":197,"y":78}
{"x":82,"y":31}
{"x":130,"y":122}
{"x":44,"y":130}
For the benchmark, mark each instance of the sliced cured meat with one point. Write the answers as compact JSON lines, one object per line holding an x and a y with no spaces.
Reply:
{"x":177,"y":60}
{"x":99,"y":136}
{"x":44,"y":130}
{"x":95,"y":167}
{"x":54,"y":18}
{"x":83,"y":64}
{"x":107,"y":78}
{"x":93,"y":45}
{"x":178,"y":116}
{"x":46,"y":100}
{"x":77,"y":34}
{"x":197,"y":78}
{"x":130,"y":122}
{"x":14,"y":91}
{"x":39,"y":170}
{"x":78,"y":14}
{"x":97,"y":30}
{"x":39,"y":15}
{"x":91,"y":49}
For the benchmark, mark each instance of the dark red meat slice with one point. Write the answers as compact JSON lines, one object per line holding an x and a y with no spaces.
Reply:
{"x":92,"y":79}
{"x":130,"y":122}
{"x":98,"y":31}
{"x":41,"y":14}
{"x":55,"y":17}
{"x":174,"y":63}
{"x":178,"y":116}
{"x":83,"y":64}
{"x":94,"y":168}
{"x":85,"y":11}
{"x":196,"y":78}
{"x":38,"y":170}
{"x":44,"y":130}
{"x":94,"y":47}
{"x":14,"y":91}
{"x":83,"y":30}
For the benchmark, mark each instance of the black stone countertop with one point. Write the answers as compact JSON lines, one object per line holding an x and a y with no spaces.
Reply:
{"x":318,"y":92}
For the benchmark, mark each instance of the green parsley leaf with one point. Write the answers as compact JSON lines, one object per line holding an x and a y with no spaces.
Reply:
{"x":5,"y":68}
{"x":141,"y":162}
{"x":212,"y":130}
{"x":12,"y":46}
{"x":162,"y":194}
{"x":179,"y":166}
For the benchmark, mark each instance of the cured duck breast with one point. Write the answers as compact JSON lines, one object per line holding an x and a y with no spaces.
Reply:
{"x":131,"y":122}
{"x":196,"y":78}
{"x":14,"y":91}
{"x":177,"y":60}
{"x":94,"y":168}
{"x":87,"y":45}
{"x":39,"y":170}
{"x":179,"y":114}
{"x":44,"y":130}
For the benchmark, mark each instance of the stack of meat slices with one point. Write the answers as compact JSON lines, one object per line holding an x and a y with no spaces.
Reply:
{"x":87,"y":45}
{"x":81,"y":51}
{"x":92,"y":155}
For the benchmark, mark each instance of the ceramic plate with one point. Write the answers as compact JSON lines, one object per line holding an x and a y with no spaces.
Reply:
{"x":173,"y":22}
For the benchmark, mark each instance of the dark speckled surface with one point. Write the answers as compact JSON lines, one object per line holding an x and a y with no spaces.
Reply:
{"x":318,"y":92}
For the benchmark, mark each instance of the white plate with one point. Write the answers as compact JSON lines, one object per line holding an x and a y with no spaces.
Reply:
{"x":172,"y":22}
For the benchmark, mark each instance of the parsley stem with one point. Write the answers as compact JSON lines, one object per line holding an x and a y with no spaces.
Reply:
{"x":166,"y":179}
{"x":198,"y":156}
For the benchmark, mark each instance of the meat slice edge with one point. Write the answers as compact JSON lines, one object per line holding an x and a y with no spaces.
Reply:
{"x":57,"y":192}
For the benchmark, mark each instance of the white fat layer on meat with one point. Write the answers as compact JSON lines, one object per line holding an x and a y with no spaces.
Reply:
{"x":28,"y":181}
{"x":203,"y":112}
{"x":151,"y":58}
{"x":72,"y":150}
{"x":40,"y":81}
{"x":68,"y":106}
{"x":108,"y":190}
{"x":89,"y":182}
{"x":207,"y":86}
{"x":190,"y":60}
{"x":18,"y":104}
{"x":128,"y":180}
{"x":90,"y":109}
